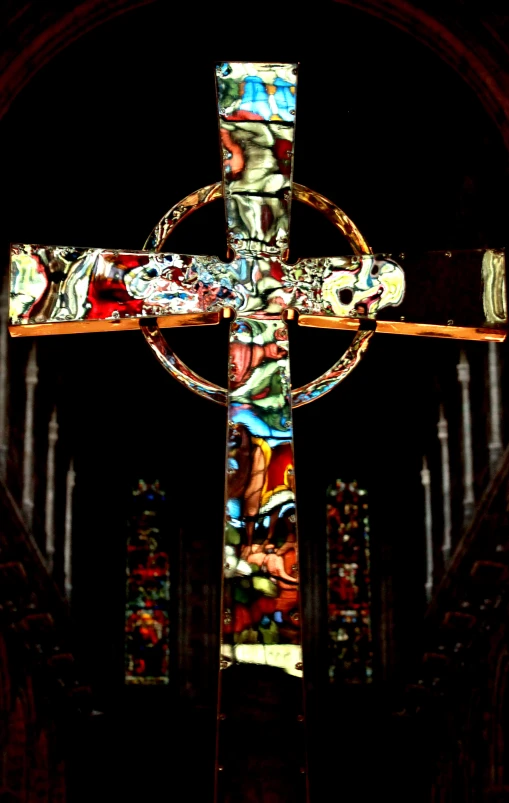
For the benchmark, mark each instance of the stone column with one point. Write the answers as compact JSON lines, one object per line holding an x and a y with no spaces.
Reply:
{"x":49,"y":517}
{"x":70,"y":482}
{"x":428,"y":528}
{"x":443,"y":436}
{"x":466,"y":428}
{"x":4,"y":377}
{"x":28,"y":444}
{"x":495,"y":445}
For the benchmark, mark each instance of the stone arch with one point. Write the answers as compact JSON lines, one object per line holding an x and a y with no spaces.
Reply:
{"x":31,"y":37}
{"x":471,"y":47}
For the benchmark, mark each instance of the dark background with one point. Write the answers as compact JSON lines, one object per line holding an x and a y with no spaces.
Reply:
{"x":102,"y":142}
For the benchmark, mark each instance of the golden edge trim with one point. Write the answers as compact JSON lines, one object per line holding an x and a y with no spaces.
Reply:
{"x":406,"y":328}
{"x":110,"y":325}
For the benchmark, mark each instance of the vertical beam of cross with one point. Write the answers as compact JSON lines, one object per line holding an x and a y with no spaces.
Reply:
{"x":261,"y":689}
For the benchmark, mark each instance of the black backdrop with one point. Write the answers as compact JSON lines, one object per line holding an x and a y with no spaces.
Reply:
{"x":110,"y":134}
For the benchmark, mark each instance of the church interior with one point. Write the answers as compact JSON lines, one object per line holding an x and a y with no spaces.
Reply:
{"x":108,"y":118}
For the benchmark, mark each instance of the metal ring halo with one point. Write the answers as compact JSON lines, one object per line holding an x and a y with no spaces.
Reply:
{"x":185,"y":375}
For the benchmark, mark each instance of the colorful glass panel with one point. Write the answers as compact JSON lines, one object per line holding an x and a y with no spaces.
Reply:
{"x":147,"y":588}
{"x":261,"y":585}
{"x":348,"y":584}
{"x":260,"y":598}
{"x":261,"y":687}
{"x":54,"y":285}
{"x":57,"y":290}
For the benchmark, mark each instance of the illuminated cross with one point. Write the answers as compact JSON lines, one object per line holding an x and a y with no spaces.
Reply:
{"x":260,"y":746}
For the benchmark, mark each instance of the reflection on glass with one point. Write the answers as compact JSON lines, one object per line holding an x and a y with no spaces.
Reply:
{"x":348,"y":584}
{"x":257,"y":124}
{"x":452,"y":294}
{"x":147,"y":588}
{"x":261,"y":621}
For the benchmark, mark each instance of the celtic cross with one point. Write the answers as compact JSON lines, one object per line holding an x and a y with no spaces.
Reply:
{"x":260,"y":744}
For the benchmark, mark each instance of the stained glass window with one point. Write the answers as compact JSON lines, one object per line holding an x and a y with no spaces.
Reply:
{"x":148,"y":588}
{"x":348,"y":584}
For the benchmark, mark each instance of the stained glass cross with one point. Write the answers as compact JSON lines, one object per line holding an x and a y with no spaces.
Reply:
{"x":260,"y":745}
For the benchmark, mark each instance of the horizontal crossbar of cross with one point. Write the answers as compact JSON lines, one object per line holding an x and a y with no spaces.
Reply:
{"x":57,"y":290}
